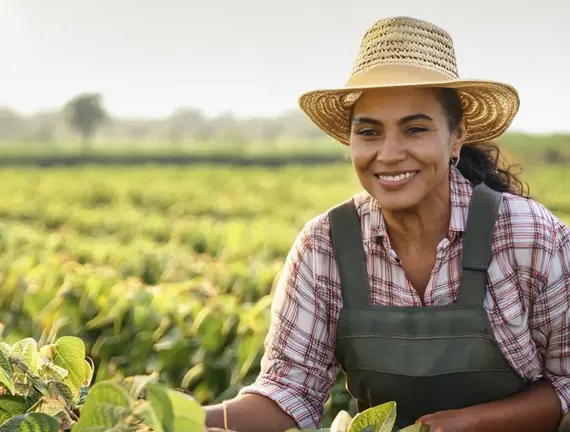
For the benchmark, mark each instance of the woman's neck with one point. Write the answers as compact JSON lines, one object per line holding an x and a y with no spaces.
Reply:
{"x":426,"y":224}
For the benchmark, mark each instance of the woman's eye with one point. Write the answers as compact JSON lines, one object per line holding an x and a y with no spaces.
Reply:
{"x":416,"y":129}
{"x":367,"y":132}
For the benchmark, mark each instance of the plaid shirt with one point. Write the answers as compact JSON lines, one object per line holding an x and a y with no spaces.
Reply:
{"x":528,"y":300}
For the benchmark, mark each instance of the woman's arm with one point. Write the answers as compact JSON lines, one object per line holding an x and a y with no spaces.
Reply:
{"x":549,"y":320}
{"x":251,"y":413}
{"x":535,"y":410}
{"x":299,"y":367}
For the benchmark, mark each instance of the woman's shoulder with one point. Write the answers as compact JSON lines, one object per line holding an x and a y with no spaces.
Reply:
{"x":528,"y":221}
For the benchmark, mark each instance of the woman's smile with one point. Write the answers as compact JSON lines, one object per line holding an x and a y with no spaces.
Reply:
{"x":397,"y":180}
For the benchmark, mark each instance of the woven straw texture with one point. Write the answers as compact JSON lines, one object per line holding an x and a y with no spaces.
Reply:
{"x":403,"y":51}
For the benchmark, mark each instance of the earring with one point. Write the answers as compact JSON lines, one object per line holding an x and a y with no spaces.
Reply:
{"x":456,"y":162}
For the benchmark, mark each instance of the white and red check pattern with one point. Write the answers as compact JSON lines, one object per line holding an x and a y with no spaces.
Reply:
{"x":528,"y":299}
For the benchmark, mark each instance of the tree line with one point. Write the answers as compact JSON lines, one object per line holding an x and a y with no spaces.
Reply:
{"x":85,"y":116}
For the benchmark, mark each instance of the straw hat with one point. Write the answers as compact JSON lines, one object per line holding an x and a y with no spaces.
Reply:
{"x":404,"y":52}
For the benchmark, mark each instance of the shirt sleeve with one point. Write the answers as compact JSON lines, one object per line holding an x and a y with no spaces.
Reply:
{"x":550,"y":320}
{"x":298,"y":368}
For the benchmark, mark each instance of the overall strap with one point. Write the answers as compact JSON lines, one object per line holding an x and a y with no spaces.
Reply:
{"x":349,"y":254}
{"x":477,"y":244}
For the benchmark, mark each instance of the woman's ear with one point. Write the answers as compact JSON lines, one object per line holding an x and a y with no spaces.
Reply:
{"x":458,"y":138}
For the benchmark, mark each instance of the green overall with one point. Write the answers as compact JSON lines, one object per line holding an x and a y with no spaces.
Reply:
{"x":426,"y":359}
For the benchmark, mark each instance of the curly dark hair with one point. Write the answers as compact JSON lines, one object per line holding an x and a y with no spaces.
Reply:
{"x":482,"y":162}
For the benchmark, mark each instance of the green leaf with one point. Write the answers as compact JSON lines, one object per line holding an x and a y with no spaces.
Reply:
{"x":11,"y":406}
{"x":70,"y":355}
{"x":145,"y":412}
{"x":6,"y":372}
{"x":158,"y":413}
{"x":383,"y":417}
{"x":193,"y":375}
{"x":106,"y":406}
{"x":88,"y":373}
{"x":47,"y":351}
{"x":59,"y":388}
{"x":26,"y":350}
{"x":247,"y":352}
{"x":135,"y":384}
{"x":32,"y":422}
{"x":189,"y":416}
{"x":6,"y":347}
{"x":52,"y":371}
{"x":51,"y":405}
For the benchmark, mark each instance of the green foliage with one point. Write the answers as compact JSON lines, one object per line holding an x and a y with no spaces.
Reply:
{"x":44,"y":389}
{"x":44,"y":380}
{"x":133,"y":402}
{"x":32,"y":422}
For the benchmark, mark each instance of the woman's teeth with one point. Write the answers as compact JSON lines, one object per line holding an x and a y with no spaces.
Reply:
{"x":397,"y":177}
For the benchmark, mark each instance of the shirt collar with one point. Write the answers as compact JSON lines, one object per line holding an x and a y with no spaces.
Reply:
{"x":460,"y":194}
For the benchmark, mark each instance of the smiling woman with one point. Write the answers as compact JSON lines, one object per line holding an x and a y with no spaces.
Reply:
{"x":441,"y":286}
{"x":401,"y":146}
{"x":418,"y":147}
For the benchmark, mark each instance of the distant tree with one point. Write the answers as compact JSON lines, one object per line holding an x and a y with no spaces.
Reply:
{"x":271,"y":130}
{"x":12,"y":125}
{"x":43,"y":132}
{"x":138,"y":130}
{"x":229,"y":130}
{"x":85,"y":114}
{"x":205,"y":132}
{"x":176,"y":134}
{"x":184,"y":123}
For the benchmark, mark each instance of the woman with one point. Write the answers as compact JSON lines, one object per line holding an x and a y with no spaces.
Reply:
{"x":442,"y":286}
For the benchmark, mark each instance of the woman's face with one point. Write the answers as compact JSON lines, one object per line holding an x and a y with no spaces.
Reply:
{"x":401,"y":146}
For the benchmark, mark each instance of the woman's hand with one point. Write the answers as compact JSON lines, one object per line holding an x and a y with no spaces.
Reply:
{"x":537,"y":409}
{"x":450,"y":421}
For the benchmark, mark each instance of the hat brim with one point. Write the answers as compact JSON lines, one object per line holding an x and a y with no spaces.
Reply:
{"x":489,"y":107}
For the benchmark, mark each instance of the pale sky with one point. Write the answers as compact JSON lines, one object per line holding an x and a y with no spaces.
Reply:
{"x":254,"y":57}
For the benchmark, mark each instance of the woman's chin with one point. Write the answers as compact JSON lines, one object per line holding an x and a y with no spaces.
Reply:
{"x":397,"y":201}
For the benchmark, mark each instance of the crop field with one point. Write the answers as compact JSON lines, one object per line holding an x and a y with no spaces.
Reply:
{"x":168,"y":269}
